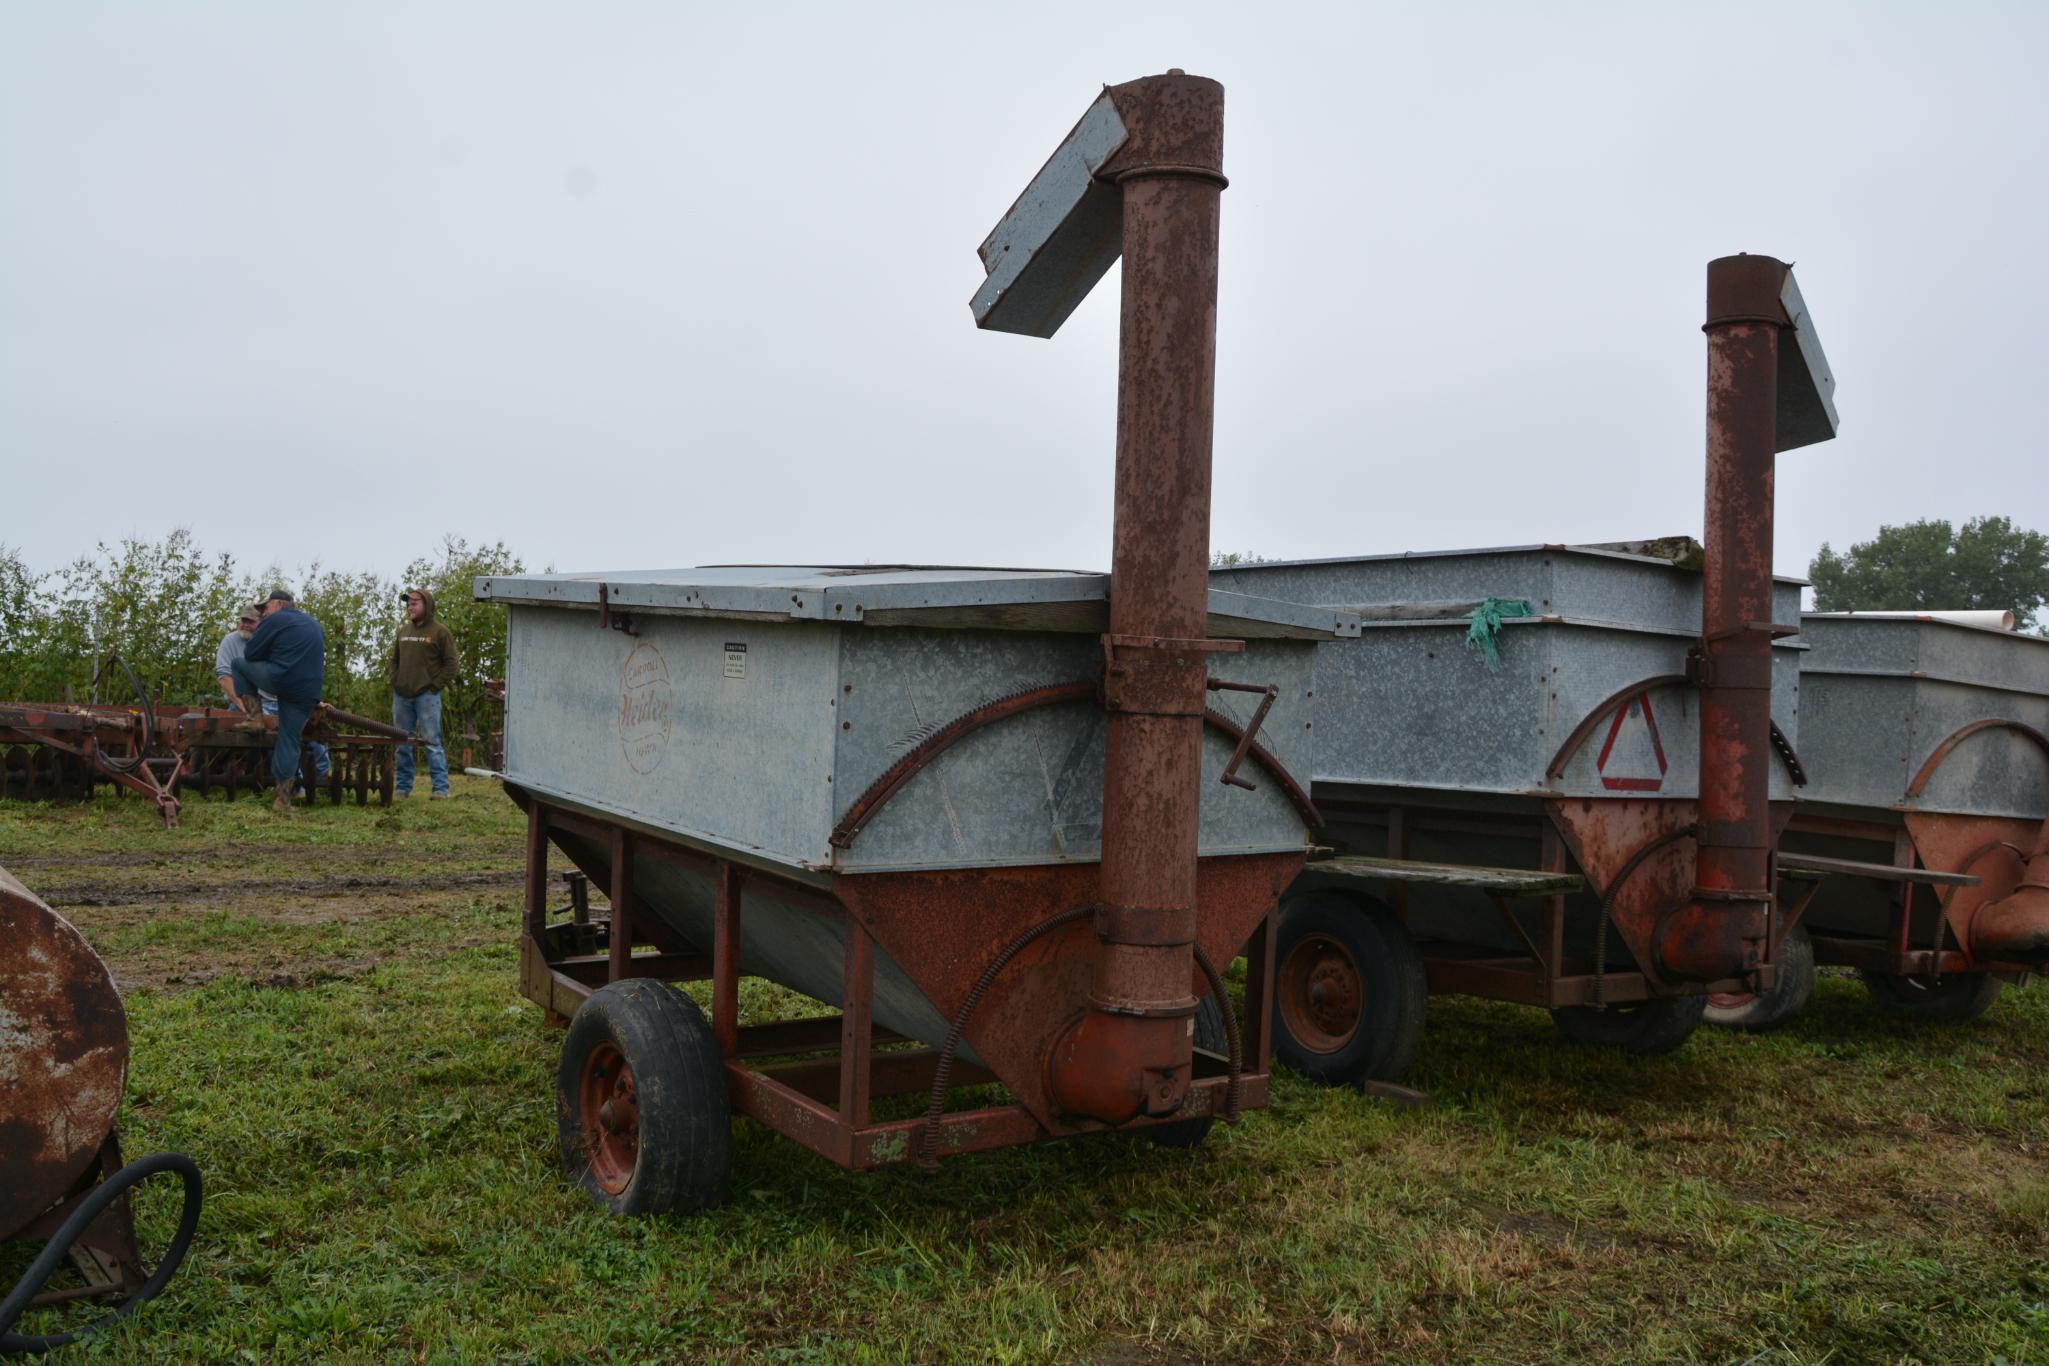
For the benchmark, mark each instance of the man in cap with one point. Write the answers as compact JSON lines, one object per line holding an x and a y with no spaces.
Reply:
{"x":232,"y":647}
{"x":286,"y":656}
{"x":422,"y":664}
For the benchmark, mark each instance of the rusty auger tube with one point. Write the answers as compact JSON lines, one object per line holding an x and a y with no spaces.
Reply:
{"x":1130,"y":1053}
{"x":1720,"y":932}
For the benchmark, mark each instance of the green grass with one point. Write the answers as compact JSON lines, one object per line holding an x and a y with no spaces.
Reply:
{"x":372,"y":1103}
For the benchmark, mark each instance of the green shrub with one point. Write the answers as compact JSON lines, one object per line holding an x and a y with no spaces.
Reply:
{"x":164,"y":606}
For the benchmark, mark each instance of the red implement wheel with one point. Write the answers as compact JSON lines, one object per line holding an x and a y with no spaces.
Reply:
{"x":608,"y":1118}
{"x":641,"y":1104}
{"x":1320,"y":992}
{"x":1349,"y":989}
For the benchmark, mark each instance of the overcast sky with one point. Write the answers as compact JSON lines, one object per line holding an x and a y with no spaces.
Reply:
{"x":640,"y":285}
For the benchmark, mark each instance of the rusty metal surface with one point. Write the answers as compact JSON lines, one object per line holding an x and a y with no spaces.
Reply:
{"x":814,"y":1123}
{"x":1607,"y":839}
{"x":1748,"y":289}
{"x":1722,"y":929}
{"x":2016,"y":927}
{"x":63,"y":1055}
{"x":2005,"y":918}
{"x":64,"y":751}
{"x":934,"y":931}
{"x":1516,"y":980}
{"x":941,"y":924}
{"x":944,"y":926}
{"x":1133,"y":1053}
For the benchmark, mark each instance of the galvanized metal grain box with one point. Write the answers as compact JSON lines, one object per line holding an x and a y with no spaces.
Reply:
{"x":1927,"y":745}
{"x":1409,"y":705}
{"x":1882,"y":694}
{"x":746,"y":711}
{"x":750,"y":708}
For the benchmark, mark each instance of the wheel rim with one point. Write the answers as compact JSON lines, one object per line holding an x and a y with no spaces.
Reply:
{"x":1730,"y":1000}
{"x":609,"y":1118}
{"x":1321,"y":992}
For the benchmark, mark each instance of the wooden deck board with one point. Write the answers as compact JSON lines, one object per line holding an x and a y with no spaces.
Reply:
{"x":1501,"y":881}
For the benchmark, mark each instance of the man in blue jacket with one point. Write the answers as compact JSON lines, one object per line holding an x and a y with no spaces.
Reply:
{"x":287,"y":657}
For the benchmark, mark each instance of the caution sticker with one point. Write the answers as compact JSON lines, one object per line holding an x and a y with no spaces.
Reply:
{"x":1633,"y":759}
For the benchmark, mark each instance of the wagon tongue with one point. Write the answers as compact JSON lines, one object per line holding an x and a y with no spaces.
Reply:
{"x":1140,"y":176}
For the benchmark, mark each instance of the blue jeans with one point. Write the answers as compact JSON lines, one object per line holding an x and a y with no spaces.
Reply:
{"x":316,"y":751}
{"x":422,"y":716}
{"x":255,"y":676}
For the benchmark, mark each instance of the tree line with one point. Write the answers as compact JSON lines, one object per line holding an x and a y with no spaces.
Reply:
{"x":164,"y":606}
{"x":1988,"y":562}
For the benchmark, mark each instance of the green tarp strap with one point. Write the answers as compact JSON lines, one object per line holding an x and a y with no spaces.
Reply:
{"x":1487,"y":619}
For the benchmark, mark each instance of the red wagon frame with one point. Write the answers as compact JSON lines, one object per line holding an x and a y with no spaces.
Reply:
{"x":822,"y":1101}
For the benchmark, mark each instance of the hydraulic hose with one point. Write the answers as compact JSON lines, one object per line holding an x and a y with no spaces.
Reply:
{"x":74,"y":1227}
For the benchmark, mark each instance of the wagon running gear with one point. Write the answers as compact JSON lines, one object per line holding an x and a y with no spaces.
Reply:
{"x":1349,"y":989}
{"x":641,"y":1106}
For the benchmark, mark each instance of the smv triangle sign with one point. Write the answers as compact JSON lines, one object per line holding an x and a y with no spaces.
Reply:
{"x":1633,"y":759}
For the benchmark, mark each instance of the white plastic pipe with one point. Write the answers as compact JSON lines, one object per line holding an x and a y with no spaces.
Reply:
{"x":1991,"y":619}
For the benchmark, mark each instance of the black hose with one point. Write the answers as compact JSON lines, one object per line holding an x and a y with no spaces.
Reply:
{"x":52,"y":1255}
{"x":1234,"y":1041}
{"x":149,"y":719}
{"x":928,"y":1137}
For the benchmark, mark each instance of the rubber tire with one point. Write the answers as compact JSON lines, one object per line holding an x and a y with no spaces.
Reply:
{"x":1396,"y":990}
{"x":1644,"y":1029}
{"x":686,"y":1125}
{"x":1953,"y":999}
{"x":1210,"y":1034}
{"x":1787,"y":998}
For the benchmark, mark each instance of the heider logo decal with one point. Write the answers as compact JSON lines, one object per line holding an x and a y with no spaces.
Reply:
{"x":645,"y":701}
